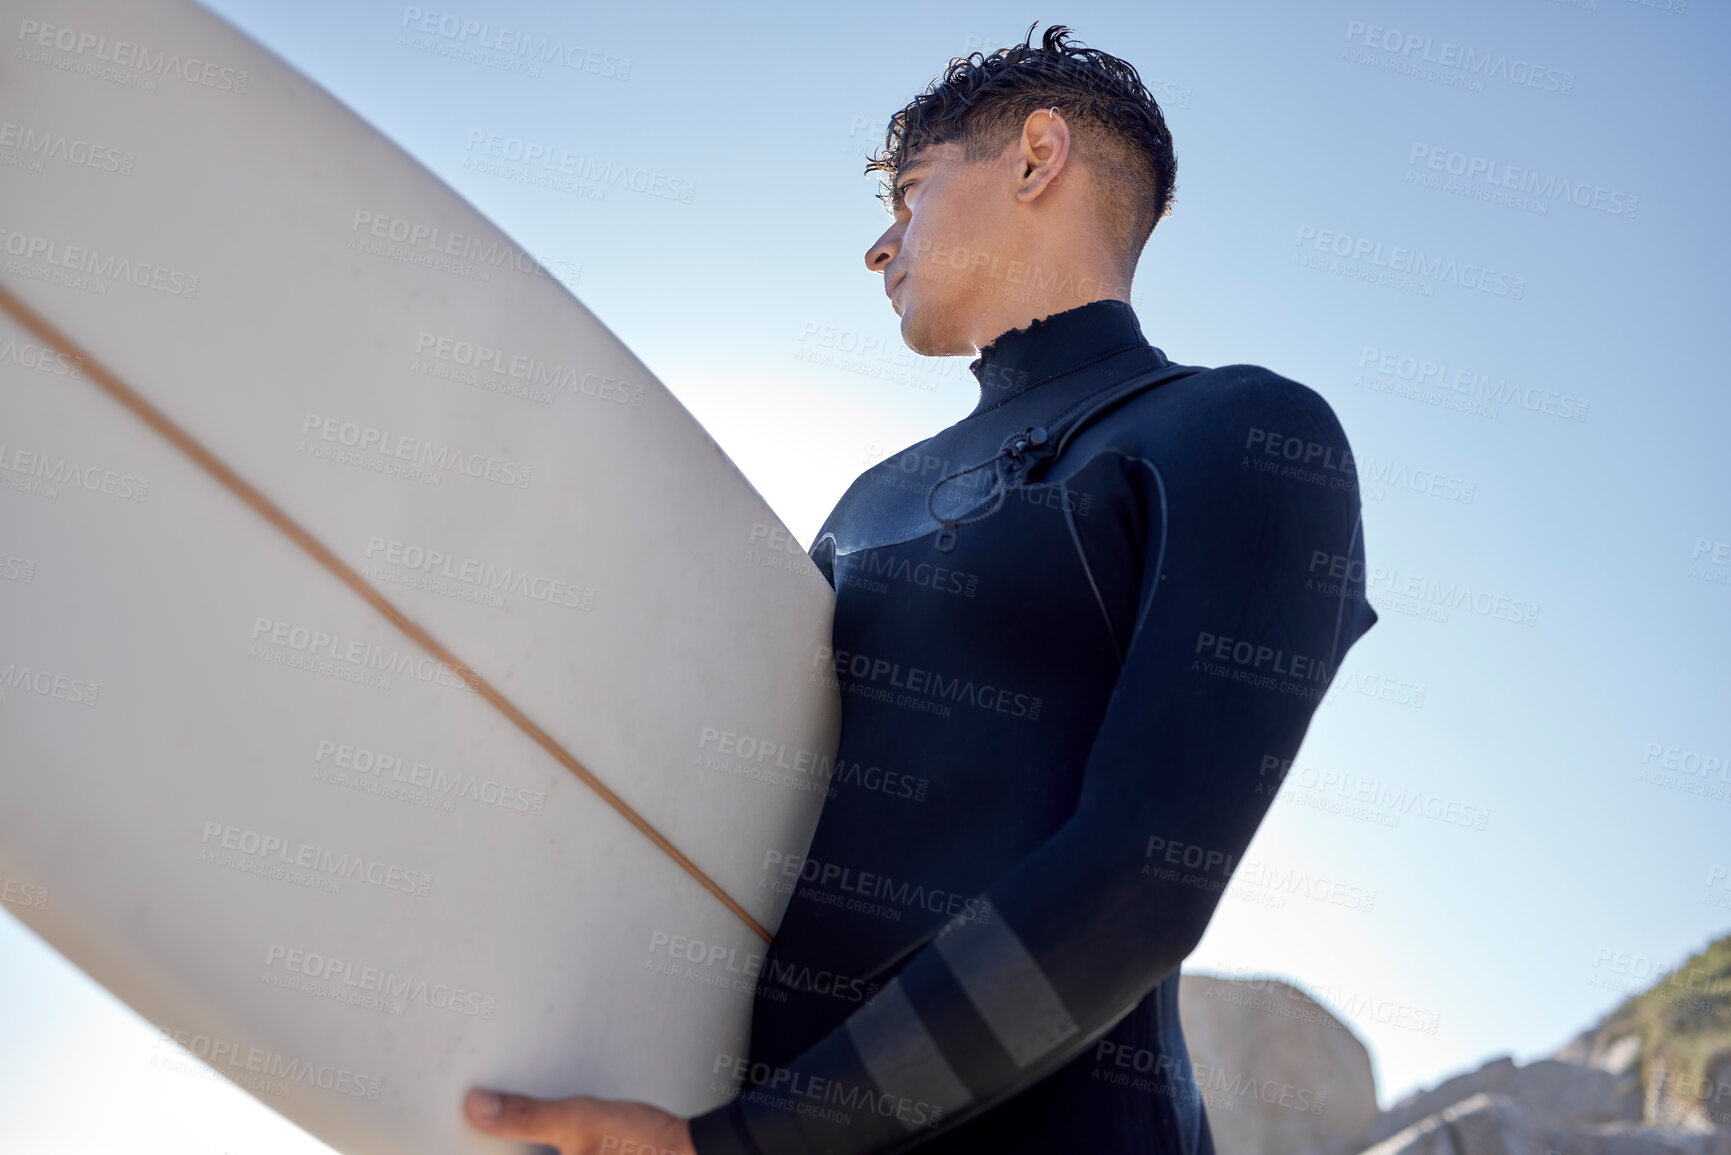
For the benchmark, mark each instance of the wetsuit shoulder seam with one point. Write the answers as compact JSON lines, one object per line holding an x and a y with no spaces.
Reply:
{"x":1088,"y":569}
{"x":1159,"y":555}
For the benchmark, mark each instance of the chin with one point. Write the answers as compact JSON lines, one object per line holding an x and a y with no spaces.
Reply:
{"x":919,"y":335}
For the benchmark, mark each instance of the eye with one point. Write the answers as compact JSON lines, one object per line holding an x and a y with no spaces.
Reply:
{"x":902,"y":190}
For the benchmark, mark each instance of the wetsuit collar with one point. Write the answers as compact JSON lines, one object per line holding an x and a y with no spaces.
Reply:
{"x":1050,"y":347}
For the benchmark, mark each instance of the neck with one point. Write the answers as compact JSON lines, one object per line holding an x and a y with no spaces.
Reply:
{"x":1050,"y":347}
{"x":1029,"y":291}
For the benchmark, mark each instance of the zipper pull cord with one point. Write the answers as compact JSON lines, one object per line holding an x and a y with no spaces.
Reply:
{"x":1006,"y":464}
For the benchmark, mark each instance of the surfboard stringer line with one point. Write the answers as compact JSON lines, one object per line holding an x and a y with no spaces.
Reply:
{"x":104,"y":378}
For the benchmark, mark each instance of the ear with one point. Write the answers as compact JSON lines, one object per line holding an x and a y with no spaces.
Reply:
{"x":1042,"y":152}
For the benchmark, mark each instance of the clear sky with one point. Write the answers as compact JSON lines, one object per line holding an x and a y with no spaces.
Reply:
{"x":1548,"y":435}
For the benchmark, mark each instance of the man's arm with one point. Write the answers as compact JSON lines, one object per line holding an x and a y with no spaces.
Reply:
{"x":1231,"y":652}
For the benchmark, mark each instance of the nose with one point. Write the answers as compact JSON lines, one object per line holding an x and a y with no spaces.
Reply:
{"x":885,"y":248}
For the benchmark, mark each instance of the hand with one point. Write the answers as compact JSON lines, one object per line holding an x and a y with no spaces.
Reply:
{"x":581,"y":1125}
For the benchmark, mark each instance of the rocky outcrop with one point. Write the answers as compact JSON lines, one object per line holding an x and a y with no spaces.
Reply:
{"x":1632,"y":1139}
{"x":1491,"y":1124}
{"x":1653,"y":1078}
{"x":1673,"y":1040}
{"x":1551,"y":1107}
{"x":1478,"y":1125}
{"x":1277,"y":1071}
{"x":1547,"y":1093}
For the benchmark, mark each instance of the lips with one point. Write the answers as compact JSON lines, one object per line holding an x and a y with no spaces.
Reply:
{"x":890,"y":287}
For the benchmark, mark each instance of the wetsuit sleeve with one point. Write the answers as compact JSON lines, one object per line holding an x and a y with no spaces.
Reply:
{"x":1250,"y":594}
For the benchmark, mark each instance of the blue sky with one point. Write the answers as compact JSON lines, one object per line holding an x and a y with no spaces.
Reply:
{"x":1314,"y":141}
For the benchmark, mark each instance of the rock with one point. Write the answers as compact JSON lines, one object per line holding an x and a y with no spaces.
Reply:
{"x":1630,"y":1139}
{"x":1690,"y":1096}
{"x":1426,"y":1137}
{"x":1673,"y":1039}
{"x":1614,"y":1054}
{"x":1556,"y":1092}
{"x":1492,"y":1124}
{"x":1479,"y":1125}
{"x":1282,"y":1076}
{"x":1279,"y":1074}
{"x":1548,"y":1093}
{"x":1423,"y":1104}
{"x":1716,"y":1085}
{"x":1489,"y":1125}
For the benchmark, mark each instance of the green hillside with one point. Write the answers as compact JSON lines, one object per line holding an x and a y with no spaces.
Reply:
{"x":1684,"y":1024}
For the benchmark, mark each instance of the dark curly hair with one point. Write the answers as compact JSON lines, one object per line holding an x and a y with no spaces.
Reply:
{"x":982,"y":102}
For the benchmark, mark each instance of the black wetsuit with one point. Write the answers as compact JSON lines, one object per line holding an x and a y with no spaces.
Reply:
{"x":1067,"y":702}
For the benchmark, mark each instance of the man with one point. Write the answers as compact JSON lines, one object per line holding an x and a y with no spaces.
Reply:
{"x":1091,"y":618}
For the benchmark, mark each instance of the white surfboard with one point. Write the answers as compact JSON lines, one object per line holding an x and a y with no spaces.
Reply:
{"x":439,"y":740}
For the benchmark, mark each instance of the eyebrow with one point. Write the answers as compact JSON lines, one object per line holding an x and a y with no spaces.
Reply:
{"x":896,"y":188}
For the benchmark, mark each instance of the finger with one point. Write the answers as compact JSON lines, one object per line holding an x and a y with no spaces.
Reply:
{"x":517,"y":1116}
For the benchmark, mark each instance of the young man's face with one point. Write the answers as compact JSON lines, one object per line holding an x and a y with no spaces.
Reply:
{"x":953,"y":223}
